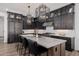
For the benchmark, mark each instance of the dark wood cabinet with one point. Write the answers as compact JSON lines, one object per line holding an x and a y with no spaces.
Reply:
{"x":57,"y":20}
{"x":24,"y":22}
{"x":38,"y":24}
{"x":11,"y":32}
{"x":14,"y":26}
{"x":68,"y":17}
{"x":35,"y":24}
{"x":68,"y":44}
{"x":68,"y":21}
{"x":63,"y":18}
{"x":27,"y":25}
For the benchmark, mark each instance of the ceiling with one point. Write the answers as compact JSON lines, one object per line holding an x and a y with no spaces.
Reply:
{"x":22,"y":7}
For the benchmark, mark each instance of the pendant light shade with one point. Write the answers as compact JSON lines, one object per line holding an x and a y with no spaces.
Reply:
{"x":29,"y":17}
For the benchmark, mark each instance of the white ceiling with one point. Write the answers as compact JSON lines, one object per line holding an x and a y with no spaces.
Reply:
{"x":22,"y":7}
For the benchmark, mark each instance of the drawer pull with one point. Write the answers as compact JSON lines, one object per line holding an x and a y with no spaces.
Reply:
{"x":56,"y":49}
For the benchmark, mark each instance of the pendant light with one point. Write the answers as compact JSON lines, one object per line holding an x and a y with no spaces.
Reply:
{"x":29,"y":17}
{"x":43,"y":13}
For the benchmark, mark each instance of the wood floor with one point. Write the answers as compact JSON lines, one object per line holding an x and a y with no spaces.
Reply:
{"x":10,"y":50}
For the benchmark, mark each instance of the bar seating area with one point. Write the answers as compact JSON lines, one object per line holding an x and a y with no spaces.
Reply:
{"x":32,"y":47}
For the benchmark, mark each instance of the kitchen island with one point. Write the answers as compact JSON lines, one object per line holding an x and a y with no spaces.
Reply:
{"x":69,"y":39}
{"x":55,"y":46}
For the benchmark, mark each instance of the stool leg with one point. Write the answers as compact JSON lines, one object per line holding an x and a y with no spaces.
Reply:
{"x":29,"y":53}
{"x":47,"y":53}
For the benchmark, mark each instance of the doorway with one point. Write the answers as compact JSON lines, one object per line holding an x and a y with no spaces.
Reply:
{"x":1,"y":29}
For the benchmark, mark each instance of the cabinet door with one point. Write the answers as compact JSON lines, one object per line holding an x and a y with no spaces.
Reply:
{"x":57,"y":22}
{"x":39,"y":25}
{"x":18,"y":17}
{"x":64,"y":20}
{"x":57,"y":19}
{"x":18,"y":28}
{"x":11,"y":34}
{"x":68,"y":17}
{"x":68,"y":21}
{"x":24,"y":23}
{"x":11,"y":16}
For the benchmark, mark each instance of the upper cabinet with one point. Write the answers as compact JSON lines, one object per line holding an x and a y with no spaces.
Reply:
{"x":11,"y":16}
{"x":27,"y":24}
{"x":18,"y":17}
{"x":63,"y":18}
{"x":15,"y":17}
{"x":57,"y":19}
{"x":34,"y":24}
{"x":38,"y":24}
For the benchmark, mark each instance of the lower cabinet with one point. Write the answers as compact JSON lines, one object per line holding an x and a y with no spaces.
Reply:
{"x":14,"y":28}
{"x":69,"y":43}
{"x":11,"y":32}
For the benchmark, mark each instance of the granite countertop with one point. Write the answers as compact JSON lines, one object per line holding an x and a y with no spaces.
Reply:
{"x":45,"y":41}
{"x":59,"y":35}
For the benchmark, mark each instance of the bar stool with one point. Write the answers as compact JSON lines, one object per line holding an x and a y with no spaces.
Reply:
{"x":36,"y":49}
{"x":22,"y":45}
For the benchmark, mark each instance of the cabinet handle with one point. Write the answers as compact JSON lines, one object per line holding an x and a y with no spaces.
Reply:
{"x":56,"y":49}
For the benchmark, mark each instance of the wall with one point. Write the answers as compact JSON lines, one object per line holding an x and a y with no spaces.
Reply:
{"x":68,"y":33}
{"x":4,"y":14}
{"x":77,"y":26}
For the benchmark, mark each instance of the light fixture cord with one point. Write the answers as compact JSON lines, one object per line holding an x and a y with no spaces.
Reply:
{"x":28,"y":10}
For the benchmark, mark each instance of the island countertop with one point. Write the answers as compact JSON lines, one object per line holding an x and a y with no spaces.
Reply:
{"x":47,"y":42}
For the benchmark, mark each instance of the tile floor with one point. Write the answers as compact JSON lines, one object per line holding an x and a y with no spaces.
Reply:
{"x":10,"y":50}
